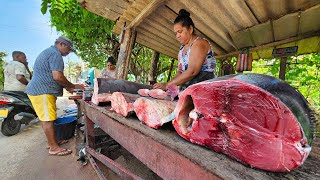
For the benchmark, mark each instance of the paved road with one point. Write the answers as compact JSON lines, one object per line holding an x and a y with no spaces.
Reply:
{"x":24,"y":156}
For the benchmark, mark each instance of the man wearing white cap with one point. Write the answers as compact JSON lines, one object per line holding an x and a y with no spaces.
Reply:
{"x":47,"y":83}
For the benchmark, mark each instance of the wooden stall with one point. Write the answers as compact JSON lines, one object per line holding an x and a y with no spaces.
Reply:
{"x":230,"y":26}
{"x":172,"y":157}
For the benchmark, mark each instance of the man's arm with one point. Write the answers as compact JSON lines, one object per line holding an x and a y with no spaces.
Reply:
{"x":59,"y":77}
{"x":22,"y":79}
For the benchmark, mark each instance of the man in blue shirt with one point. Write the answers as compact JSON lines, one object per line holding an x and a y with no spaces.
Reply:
{"x":47,"y":83}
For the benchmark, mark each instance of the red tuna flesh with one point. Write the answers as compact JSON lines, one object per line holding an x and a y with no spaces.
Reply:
{"x":244,"y":122}
{"x":153,"y":111}
{"x":97,"y":98}
{"x":158,"y":94}
{"x":122,"y":103}
{"x":143,"y":92}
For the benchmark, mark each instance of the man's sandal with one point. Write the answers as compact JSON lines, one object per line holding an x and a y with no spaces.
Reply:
{"x":60,"y":143}
{"x":63,"y":152}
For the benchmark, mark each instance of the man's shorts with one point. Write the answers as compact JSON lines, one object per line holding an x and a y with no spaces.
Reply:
{"x":45,"y":106}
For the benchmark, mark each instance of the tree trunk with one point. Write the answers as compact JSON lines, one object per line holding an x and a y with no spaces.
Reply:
{"x":170,"y":71}
{"x":127,"y":42}
{"x":152,"y":76}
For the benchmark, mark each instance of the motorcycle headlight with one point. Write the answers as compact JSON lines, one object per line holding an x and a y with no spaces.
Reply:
{"x":6,"y":99}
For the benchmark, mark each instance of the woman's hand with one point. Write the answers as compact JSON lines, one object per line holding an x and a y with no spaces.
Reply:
{"x":162,"y":86}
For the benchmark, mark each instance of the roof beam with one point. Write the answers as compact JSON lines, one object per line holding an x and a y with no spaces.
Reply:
{"x":289,"y":40}
{"x":146,"y":12}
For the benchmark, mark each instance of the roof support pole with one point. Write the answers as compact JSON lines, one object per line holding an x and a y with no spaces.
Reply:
{"x":127,"y":42}
{"x":283,"y":64}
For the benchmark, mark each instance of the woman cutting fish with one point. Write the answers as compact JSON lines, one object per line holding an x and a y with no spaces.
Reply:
{"x":196,"y":61}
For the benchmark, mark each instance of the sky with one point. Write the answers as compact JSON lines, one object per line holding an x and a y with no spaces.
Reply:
{"x":24,"y":28}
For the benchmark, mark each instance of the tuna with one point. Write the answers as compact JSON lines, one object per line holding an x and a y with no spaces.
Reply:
{"x":103,"y":85}
{"x":100,"y":98}
{"x":122,"y":103}
{"x":153,"y":112}
{"x":256,"y":119}
{"x":158,"y":94}
{"x":144,"y":92}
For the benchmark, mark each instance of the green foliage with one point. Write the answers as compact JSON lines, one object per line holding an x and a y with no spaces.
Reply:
{"x":90,"y":33}
{"x":141,"y":59}
{"x":164,"y":68}
{"x":140,"y":63}
{"x":2,"y":64}
{"x":302,"y":73}
{"x":94,"y":40}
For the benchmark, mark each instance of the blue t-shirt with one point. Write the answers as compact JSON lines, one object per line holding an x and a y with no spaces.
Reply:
{"x":42,"y":81}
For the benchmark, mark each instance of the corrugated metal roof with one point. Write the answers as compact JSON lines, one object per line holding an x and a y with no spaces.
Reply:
{"x":228,"y":24}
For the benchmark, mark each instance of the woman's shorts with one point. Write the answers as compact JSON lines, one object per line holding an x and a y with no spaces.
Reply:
{"x":45,"y":106}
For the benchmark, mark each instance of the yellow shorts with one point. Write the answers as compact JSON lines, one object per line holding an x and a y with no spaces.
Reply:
{"x":45,"y":106}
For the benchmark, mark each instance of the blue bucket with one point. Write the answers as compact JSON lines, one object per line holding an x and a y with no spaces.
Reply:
{"x":65,"y":127}
{"x":64,"y":120}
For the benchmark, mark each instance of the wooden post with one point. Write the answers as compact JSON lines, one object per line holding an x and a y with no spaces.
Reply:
{"x":153,"y":68}
{"x":170,"y":71}
{"x":127,"y":42}
{"x":283,"y":64}
{"x":131,"y":46}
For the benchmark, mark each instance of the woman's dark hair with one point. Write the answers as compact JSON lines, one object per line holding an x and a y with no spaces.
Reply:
{"x":184,"y":19}
{"x":111,"y":60}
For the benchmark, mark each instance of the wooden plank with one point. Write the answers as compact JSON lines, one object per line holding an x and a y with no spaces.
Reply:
{"x":310,"y":19}
{"x":210,"y":161}
{"x":158,"y":28}
{"x":160,"y":35}
{"x":205,"y":17}
{"x":146,"y":12}
{"x":152,"y":36}
{"x":286,"y":26}
{"x":206,"y":29}
{"x":108,"y":9}
{"x":261,"y":34}
{"x":273,"y":44}
{"x":161,"y":159}
{"x":169,"y":17}
{"x":158,"y":45}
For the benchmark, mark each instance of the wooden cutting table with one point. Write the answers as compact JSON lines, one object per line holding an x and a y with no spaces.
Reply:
{"x":172,"y":157}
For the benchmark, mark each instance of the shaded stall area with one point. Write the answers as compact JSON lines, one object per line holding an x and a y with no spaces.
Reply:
{"x":229,"y":25}
{"x":260,"y":26}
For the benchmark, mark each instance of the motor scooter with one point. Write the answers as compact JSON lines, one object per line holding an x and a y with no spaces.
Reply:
{"x":15,"y":109}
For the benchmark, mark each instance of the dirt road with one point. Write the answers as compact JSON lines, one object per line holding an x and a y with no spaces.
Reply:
{"x":24,"y":156}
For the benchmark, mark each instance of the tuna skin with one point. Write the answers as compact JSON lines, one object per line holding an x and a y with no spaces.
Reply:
{"x":242,"y":121}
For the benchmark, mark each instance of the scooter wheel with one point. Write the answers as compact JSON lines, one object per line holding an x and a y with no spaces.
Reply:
{"x":10,"y":126}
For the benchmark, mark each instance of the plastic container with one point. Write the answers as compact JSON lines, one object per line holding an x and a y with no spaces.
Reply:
{"x":65,"y":127}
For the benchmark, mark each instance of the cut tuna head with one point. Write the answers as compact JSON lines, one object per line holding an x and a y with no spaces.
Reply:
{"x":243,"y":121}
